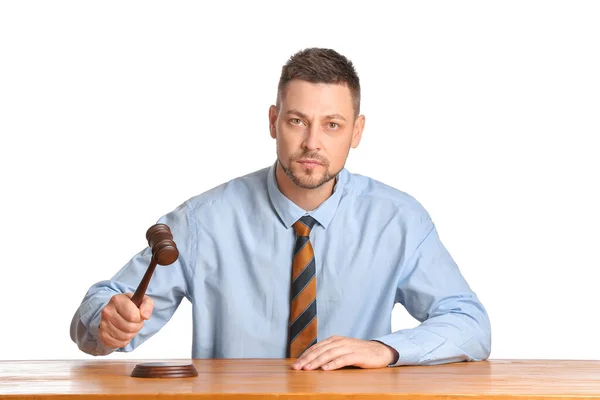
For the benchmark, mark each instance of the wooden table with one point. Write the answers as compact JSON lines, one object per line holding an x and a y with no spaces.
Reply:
{"x":104,"y":379}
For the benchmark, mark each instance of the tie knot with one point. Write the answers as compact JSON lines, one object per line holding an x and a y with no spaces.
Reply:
{"x":304,"y":225}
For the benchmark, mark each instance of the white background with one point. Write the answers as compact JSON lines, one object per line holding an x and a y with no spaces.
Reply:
{"x":113,"y":113}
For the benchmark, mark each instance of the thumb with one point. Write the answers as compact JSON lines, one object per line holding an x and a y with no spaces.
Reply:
{"x":146,"y":307}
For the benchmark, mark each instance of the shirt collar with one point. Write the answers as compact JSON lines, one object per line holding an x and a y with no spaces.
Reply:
{"x":289,"y":212}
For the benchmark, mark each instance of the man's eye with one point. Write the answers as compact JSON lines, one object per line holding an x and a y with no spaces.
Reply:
{"x":333,"y":125}
{"x":296,"y":121}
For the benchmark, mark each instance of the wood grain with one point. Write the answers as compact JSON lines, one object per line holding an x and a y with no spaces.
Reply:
{"x":273,"y":378}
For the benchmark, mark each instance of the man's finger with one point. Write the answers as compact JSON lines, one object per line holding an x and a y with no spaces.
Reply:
{"x":312,"y":353}
{"x":128,"y":310}
{"x":110,"y":342}
{"x":108,"y":339}
{"x":125,"y":326}
{"x":327,"y":356}
{"x":315,"y":348}
{"x":116,"y":333}
{"x":110,"y":313}
{"x":341,"y":361}
{"x":146,"y":307}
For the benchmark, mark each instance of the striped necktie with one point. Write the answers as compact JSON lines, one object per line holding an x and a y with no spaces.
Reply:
{"x":303,"y":311}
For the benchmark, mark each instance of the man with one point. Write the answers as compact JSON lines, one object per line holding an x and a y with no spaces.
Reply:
{"x":302,"y":259}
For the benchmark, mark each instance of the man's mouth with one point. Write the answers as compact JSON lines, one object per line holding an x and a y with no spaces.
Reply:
{"x":310,"y":163}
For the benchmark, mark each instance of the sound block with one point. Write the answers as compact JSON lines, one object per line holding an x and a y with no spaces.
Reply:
{"x":164,"y":370}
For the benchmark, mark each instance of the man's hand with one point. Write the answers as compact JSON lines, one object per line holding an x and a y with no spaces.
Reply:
{"x":337,"y":352}
{"x":121,"y":320}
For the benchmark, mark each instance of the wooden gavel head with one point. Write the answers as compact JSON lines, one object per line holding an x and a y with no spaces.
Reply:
{"x":160,"y":240}
{"x":164,"y":252}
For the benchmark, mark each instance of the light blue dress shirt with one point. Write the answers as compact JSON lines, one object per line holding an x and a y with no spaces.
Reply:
{"x":374,"y":246}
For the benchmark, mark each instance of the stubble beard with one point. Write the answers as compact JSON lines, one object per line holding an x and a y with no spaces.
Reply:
{"x":311,"y":181}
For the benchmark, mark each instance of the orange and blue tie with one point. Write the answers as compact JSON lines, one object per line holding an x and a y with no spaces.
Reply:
{"x":303,"y":311}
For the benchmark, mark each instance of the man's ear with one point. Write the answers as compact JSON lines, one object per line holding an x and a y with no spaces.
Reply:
{"x":359,"y":126}
{"x":273,"y":121}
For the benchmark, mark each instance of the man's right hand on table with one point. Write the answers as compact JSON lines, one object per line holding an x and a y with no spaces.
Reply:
{"x":121,"y":320}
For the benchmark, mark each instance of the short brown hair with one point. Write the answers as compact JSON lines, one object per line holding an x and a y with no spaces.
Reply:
{"x":318,"y":65}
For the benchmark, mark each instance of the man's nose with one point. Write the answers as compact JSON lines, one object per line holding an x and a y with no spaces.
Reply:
{"x":311,"y":142}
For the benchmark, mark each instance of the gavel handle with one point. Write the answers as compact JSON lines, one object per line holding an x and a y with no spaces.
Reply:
{"x":138,"y":296}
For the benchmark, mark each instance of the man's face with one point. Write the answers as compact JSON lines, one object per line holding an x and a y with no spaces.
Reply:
{"x":315,"y":127}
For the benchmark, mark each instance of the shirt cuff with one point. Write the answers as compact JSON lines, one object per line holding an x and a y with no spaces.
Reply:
{"x":413,"y":346}
{"x":93,"y":328}
{"x":90,"y":319}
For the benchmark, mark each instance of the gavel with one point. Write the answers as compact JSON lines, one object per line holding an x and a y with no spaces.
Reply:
{"x":164,"y":252}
